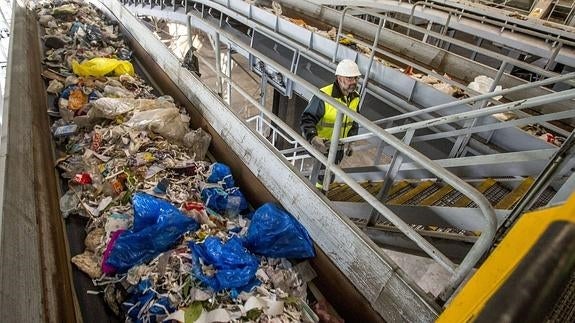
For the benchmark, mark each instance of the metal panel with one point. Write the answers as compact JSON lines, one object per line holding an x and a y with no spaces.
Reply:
{"x":263,"y":17}
{"x":344,"y":52}
{"x":35,"y":272}
{"x":469,"y":219}
{"x":375,"y":109}
{"x":314,"y":72}
{"x":280,"y":53}
{"x":398,"y":82}
{"x":271,"y":48}
{"x":322,"y":45}
{"x":369,"y":269}
{"x":300,"y":34}
{"x":239,"y":6}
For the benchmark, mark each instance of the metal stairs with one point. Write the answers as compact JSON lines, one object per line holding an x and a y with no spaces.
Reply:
{"x":432,"y":199}
{"x":433,"y":193}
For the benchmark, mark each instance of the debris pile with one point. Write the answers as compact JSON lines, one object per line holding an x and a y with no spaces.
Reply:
{"x":170,"y":236}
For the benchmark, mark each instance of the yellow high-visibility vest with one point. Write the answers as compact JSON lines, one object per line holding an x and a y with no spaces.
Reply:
{"x":325,"y":125}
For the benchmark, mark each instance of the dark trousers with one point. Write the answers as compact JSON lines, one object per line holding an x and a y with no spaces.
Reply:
{"x":320,"y":177}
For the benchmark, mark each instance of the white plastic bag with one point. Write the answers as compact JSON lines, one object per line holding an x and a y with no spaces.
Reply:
{"x":166,"y":122}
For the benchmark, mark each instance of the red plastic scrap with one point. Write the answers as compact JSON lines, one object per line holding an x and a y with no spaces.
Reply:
{"x":194,"y":206}
{"x":82,"y":179}
{"x":96,"y":141}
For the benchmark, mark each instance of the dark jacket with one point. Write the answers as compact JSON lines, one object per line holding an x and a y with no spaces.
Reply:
{"x":315,"y":111}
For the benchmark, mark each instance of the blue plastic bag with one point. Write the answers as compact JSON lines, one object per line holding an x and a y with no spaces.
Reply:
{"x":148,"y":210}
{"x":230,"y":201}
{"x":152,"y":238}
{"x":221,"y":173}
{"x":143,"y":305}
{"x":235,"y":266}
{"x":273,"y":232}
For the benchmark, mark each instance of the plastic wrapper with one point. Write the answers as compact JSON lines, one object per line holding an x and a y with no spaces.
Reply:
{"x":117,"y":92}
{"x":273,"y":232}
{"x":230,"y":201}
{"x":69,"y":203}
{"x":110,"y":108}
{"x":222,"y":174}
{"x":158,"y":226}
{"x":235,"y":267}
{"x":166,"y":122}
{"x":482,"y":84}
{"x":101,"y":66}
{"x":198,"y":141}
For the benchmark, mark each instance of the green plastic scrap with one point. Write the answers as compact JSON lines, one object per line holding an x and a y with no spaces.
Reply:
{"x":193,"y":312}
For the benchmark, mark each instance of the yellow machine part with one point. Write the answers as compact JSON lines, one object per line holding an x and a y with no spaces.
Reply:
{"x":469,"y":302}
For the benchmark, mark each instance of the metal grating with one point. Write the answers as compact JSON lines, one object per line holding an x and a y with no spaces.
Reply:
{"x":449,"y":199}
{"x":423,"y":195}
{"x":564,"y":309}
{"x":400,"y":192}
{"x":494,"y":194}
{"x":544,"y":198}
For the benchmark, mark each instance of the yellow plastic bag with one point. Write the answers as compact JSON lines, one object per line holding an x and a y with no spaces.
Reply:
{"x":101,"y":66}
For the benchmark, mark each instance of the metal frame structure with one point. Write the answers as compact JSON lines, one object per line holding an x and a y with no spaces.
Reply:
{"x":482,"y":244}
{"x":376,"y":131}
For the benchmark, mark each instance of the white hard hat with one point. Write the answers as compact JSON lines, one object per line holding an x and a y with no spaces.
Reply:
{"x":347,"y":68}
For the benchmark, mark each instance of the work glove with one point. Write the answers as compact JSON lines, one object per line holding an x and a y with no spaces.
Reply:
{"x":348,"y":150}
{"x":319,"y":143}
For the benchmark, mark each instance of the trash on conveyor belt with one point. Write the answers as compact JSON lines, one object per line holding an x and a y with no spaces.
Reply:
{"x":170,"y":236}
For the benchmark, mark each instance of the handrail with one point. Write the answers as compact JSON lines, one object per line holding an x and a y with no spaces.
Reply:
{"x":461,"y":13}
{"x":390,"y":54}
{"x":484,"y":241}
{"x":478,"y":49}
{"x":504,"y":107}
{"x":489,"y":95}
{"x":502,"y":58}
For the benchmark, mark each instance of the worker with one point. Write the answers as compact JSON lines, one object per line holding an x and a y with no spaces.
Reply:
{"x":318,"y":119}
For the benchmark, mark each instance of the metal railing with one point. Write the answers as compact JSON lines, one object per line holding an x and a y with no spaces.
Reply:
{"x":484,"y":241}
{"x":480,"y":101}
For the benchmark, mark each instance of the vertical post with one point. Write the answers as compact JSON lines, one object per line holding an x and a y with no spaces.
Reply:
{"x":333,"y":147}
{"x":338,"y":36}
{"x":371,"y":56}
{"x":426,"y":35}
{"x":551,"y":60}
{"x":389,"y":177}
{"x":263,"y":84}
{"x":190,"y":36}
{"x":444,"y":31}
{"x":478,"y":44}
{"x":218,"y":55}
{"x":229,"y":74}
{"x":462,"y":141}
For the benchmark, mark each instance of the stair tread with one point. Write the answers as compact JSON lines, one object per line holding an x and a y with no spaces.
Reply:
{"x":405,"y":197}
{"x":438,"y":195}
{"x":514,"y":196}
{"x":464,"y":201}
